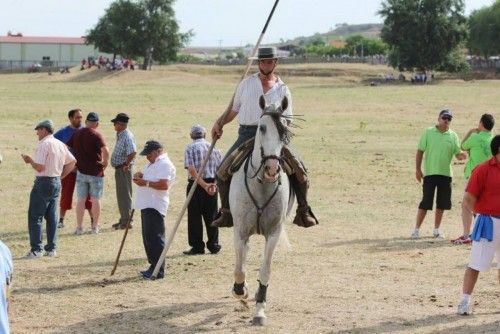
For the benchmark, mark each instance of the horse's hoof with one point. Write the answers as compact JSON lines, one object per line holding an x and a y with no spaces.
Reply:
{"x":240,"y":291}
{"x":259,"y":321}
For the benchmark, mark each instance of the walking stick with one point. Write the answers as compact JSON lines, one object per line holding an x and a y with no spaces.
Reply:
{"x":214,"y":140}
{"x":123,"y":242}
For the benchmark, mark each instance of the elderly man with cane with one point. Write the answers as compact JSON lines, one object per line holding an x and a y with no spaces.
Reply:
{"x":246,"y":107}
{"x":152,"y":198}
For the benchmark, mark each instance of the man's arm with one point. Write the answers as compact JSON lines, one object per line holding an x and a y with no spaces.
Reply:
{"x":161,"y":184}
{"x":38,"y":167}
{"x":470,"y":201}
{"x":471,"y":131}
{"x":418,"y":165}
{"x":220,"y":122}
{"x":104,"y":157}
{"x":130,"y":158}
{"x":208,"y":187}
{"x":68,"y":168}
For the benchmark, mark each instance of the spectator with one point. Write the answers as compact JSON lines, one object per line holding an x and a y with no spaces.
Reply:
{"x":6,"y":268}
{"x":477,"y":144}
{"x":68,"y":183}
{"x":122,"y":160}
{"x":438,"y":144}
{"x":152,"y":198}
{"x":52,"y":161}
{"x":203,"y":204}
{"x":482,"y":197}
{"x":92,"y":157}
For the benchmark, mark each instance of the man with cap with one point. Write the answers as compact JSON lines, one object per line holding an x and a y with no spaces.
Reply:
{"x":122,"y":159}
{"x":477,"y":144}
{"x":64,"y":134}
{"x":203,"y":204}
{"x":246,"y":106}
{"x":152,"y":198}
{"x":437,"y":146}
{"x":52,"y":161}
{"x":92,"y":158}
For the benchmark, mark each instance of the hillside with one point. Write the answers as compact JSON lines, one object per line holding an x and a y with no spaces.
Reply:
{"x":370,"y":30}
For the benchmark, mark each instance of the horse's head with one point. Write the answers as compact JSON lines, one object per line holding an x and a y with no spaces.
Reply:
{"x":272,"y":134}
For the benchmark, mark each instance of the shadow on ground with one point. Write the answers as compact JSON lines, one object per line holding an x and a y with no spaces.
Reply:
{"x":392,"y":244}
{"x":163,"y":319}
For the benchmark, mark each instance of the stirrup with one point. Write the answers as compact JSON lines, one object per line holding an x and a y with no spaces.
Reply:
{"x":223,"y":219}
{"x":305,"y":217}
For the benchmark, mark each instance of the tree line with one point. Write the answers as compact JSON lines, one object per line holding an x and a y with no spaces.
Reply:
{"x":417,"y":34}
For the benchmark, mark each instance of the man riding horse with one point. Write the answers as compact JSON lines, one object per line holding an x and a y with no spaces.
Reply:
{"x":246,"y":107}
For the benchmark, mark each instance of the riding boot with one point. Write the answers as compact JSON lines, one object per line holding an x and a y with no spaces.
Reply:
{"x":224,"y":217}
{"x":304,"y":216}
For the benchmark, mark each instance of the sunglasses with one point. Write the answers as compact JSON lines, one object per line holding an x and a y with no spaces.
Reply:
{"x":446,"y":118}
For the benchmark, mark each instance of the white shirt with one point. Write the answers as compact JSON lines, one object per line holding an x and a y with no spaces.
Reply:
{"x":246,"y":99}
{"x":53,"y":154}
{"x":5,"y":276}
{"x":149,"y":198}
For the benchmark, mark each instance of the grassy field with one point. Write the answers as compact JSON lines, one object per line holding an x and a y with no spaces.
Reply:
{"x":357,"y":272}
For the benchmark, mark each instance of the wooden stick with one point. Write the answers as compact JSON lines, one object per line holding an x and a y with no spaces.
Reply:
{"x":214,"y":140}
{"x":123,"y":241}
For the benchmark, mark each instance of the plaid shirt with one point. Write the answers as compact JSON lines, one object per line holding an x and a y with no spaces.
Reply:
{"x":196,"y":152}
{"x":125,"y":145}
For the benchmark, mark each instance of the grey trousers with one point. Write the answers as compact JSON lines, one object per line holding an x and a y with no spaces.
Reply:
{"x":124,"y":193}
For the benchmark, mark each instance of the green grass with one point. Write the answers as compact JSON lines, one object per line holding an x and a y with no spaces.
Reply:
{"x":357,"y":271}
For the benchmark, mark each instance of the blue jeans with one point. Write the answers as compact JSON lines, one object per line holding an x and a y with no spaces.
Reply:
{"x":44,"y":199}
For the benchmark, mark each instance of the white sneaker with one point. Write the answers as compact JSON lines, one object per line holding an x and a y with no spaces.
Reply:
{"x":51,"y":253}
{"x":33,"y":255}
{"x":437,"y":233}
{"x":464,"y":308}
{"x":95,"y":230}
{"x":415,"y":234}
{"x":78,"y":231}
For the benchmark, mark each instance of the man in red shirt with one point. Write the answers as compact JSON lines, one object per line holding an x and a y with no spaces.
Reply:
{"x":483,"y":198}
{"x":92,"y":157}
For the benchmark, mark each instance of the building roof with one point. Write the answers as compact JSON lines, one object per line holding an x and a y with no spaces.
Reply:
{"x":41,"y":40}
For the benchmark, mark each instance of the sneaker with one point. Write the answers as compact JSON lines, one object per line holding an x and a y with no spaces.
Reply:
{"x":438,"y":234}
{"x":464,"y":308}
{"x":462,"y":240}
{"x":78,"y":231}
{"x":51,"y":253}
{"x":95,"y":230}
{"x":415,"y":234}
{"x":60,"y":224}
{"x":33,"y":255}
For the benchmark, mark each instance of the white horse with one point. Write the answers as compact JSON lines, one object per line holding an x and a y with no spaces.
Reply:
{"x":260,"y":199}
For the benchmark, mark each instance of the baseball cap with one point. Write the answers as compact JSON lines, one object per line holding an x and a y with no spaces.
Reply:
{"x":446,"y":112}
{"x":150,"y":146}
{"x":93,"y":117}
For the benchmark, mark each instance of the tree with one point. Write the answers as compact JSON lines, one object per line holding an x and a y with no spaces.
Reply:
{"x":484,"y":30}
{"x":422,"y":34}
{"x":144,"y":28}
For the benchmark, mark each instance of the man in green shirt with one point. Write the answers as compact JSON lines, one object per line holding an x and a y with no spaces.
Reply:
{"x":477,"y":144}
{"x":437,"y":146}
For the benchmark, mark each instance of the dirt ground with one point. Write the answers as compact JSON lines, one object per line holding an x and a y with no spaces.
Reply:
{"x":357,"y":272}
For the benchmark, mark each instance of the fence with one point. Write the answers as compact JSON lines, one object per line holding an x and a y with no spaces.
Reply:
{"x":34,"y":65}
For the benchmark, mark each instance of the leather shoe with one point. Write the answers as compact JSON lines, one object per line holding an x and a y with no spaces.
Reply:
{"x":193,"y":251}
{"x":215,"y":249}
{"x":149,"y":275}
{"x":120,"y":226}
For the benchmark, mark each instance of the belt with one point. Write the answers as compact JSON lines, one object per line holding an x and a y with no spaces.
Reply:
{"x":208,"y":179}
{"x":248,"y":126}
{"x":47,"y":177}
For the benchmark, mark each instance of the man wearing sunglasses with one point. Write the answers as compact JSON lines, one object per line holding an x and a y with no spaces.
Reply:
{"x":437,"y":146}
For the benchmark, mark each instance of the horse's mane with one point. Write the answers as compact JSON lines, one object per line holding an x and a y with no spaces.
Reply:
{"x":284,"y":132}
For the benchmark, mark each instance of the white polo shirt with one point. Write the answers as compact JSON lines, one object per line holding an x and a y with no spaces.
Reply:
{"x":53,"y":154}
{"x":149,"y":198}
{"x":246,"y":99}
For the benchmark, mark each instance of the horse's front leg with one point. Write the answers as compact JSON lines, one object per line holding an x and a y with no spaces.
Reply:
{"x":240,"y":288}
{"x":259,"y":318}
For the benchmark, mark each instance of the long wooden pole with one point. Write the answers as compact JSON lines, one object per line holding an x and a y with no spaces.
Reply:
{"x":214,"y":140}
{"x":123,"y":242}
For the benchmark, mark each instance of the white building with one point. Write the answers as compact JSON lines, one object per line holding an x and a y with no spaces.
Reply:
{"x":18,"y":51}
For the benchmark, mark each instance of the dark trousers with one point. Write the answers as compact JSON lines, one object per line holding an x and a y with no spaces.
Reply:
{"x":153,"y":236}
{"x":202,"y":205}
{"x":44,"y":198}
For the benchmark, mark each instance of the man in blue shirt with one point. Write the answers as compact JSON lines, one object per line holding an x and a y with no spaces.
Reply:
{"x":6,"y":268}
{"x":64,"y":134}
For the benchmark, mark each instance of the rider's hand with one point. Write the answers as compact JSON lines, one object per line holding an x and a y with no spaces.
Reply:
{"x":216,"y":131}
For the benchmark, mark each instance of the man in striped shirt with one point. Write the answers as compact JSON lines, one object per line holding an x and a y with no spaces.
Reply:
{"x":246,"y":107}
{"x":203,"y":204}
{"x":52,"y":162}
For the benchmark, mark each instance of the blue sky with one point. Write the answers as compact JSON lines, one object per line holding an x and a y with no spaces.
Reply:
{"x":214,"y":22}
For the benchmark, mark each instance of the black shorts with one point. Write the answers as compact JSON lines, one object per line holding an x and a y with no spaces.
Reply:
{"x":443,"y":197}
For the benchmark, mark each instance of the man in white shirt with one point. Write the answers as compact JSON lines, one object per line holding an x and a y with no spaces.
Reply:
{"x":246,"y":107}
{"x":6,"y":269}
{"x":52,"y":162}
{"x":152,"y":199}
